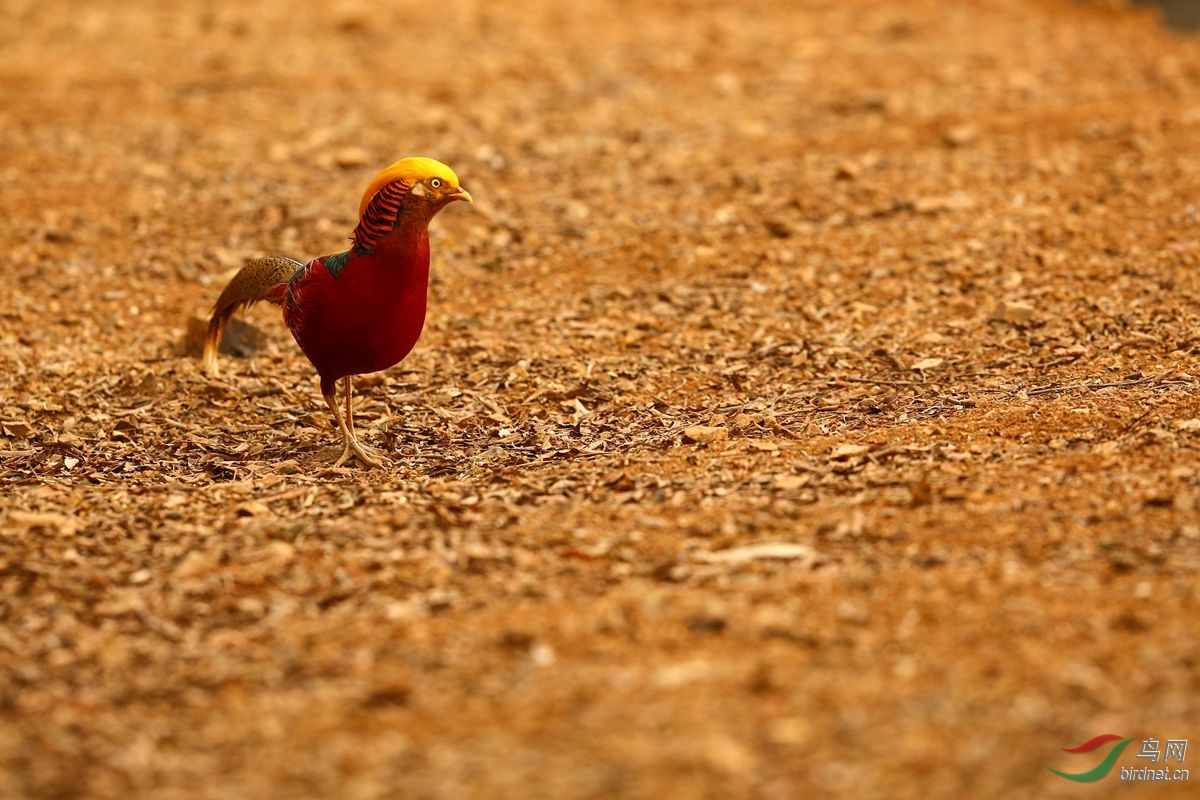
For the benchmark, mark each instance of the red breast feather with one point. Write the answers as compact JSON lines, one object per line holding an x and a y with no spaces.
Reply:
{"x":369,"y":315}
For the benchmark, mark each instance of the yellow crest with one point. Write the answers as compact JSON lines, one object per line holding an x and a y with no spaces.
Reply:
{"x":409,"y":170}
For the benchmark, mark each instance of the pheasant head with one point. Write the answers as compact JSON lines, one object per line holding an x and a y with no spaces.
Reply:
{"x":412,"y":190}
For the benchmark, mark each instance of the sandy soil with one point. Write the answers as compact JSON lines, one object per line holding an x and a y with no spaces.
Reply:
{"x":807,"y":408}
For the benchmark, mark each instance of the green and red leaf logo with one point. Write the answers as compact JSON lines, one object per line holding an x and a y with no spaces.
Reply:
{"x":1100,"y":770}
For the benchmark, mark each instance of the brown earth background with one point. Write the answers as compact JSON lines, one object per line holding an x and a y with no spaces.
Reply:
{"x":807,"y":407}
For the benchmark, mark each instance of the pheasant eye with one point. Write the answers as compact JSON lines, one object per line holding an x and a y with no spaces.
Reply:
{"x":436,"y":183}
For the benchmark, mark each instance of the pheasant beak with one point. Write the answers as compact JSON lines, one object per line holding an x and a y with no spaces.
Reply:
{"x":461,"y":194}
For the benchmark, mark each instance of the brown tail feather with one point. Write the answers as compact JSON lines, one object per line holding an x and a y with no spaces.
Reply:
{"x":251,"y":284}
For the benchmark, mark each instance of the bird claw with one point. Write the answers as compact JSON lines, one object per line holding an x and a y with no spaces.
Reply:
{"x":354,"y":450}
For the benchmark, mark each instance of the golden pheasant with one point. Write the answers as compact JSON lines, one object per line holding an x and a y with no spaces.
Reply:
{"x":361,"y":310}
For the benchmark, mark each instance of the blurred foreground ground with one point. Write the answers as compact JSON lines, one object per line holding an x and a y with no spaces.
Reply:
{"x":924,"y":272}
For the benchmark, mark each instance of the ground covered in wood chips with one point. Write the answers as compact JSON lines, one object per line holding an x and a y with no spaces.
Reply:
{"x":806,"y":408}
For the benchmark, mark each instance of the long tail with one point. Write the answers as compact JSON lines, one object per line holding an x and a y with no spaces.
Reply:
{"x":260,"y":279}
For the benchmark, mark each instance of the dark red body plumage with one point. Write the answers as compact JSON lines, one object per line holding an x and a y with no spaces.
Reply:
{"x":366,"y":317}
